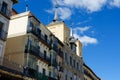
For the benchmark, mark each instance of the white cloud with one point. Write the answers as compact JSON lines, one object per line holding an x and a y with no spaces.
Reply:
{"x":115,"y":3}
{"x":65,"y":13}
{"x":86,"y":39}
{"x":91,"y":5}
{"x":81,"y":29}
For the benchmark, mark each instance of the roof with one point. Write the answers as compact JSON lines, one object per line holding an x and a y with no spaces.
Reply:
{"x":91,"y":71}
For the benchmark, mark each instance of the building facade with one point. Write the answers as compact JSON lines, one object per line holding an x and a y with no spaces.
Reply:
{"x":5,"y":13}
{"x":37,"y":52}
{"x":72,"y":61}
{"x":34,"y":48}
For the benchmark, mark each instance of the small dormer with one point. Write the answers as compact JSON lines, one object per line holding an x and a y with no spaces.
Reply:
{"x":72,"y":41}
{"x":72,"y":44}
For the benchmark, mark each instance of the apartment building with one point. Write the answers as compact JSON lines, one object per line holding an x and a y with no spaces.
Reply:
{"x":72,"y":50}
{"x":5,"y":13}
{"x":36,"y":52}
{"x":32,"y":46}
{"x":72,"y":63}
{"x":89,"y":74}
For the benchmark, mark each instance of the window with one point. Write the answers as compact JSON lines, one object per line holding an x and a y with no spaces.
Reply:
{"x":38,"y":31}
{"x":49,"y":73}
{"x":70,"y":60}
{"x":1,"y":26}
{"x":66,"y":57}
{"x":32,"y":62}
{"x":4,"y":7}
{"x":44,"y":71}
{"x":77,"y":65}
{"x":45,"y":54}
{"x":0,"y":49}
{"x":45,"y":37}
{"x":65,"y":77}
{"x":74,"y":62}
{"x":31,"y":24}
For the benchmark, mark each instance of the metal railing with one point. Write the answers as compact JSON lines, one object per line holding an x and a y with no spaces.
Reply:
{"x":39,"y":35}
{"x":40,"y":76}
{"x":35,"y":74}
{"x":34,"y":50}
{"x":6,"y":12}
{"x":10,"y":64}
{"x":3,"y":35}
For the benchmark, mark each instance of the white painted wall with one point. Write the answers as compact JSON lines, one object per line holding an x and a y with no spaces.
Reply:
{"x":18,"y":25}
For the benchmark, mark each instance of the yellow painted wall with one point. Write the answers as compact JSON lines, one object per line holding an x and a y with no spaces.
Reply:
{"x":14,"y":50}
{"x":60,"y":30}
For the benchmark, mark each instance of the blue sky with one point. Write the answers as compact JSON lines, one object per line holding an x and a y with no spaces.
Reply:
{"x":95,"y":22}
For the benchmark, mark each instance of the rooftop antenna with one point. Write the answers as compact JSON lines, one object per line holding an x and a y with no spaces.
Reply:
{"x":26,"y":5}
{"x":56,"y":12}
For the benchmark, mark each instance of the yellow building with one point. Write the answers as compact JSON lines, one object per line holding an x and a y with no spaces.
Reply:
{"x":89,"y":74}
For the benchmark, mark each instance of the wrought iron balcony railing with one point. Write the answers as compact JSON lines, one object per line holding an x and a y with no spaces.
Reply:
{"x":38,"y":34}
{"x":35,"y":74}
{"x":34,"y":50}
{"x":40,"y":76}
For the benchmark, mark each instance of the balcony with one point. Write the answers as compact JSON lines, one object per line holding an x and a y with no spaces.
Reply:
{"x":10,"y":65}
{"x":44,"y":58}
{"x":40,"y":76}
{"x":29,"y":72}
{"x":37,"y":33}
{"x":3,"y":35}
{"x":6,"y":12}
{"x":35,"y":74}
{"x":34,"y":50}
